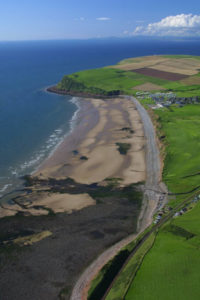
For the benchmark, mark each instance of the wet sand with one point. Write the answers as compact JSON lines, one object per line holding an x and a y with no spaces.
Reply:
{"x":90,"y":153}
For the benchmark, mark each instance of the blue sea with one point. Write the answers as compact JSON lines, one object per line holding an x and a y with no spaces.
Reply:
{"x":32,"y":121}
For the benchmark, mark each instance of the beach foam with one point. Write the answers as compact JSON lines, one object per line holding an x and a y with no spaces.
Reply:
{"x":48,"y":148}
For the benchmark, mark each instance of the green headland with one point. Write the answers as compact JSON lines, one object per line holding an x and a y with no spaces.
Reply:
{"x":133,"y":75}
{"x":167,"y":266}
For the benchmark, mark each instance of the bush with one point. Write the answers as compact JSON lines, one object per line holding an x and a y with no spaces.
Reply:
{"x":123,"y":148}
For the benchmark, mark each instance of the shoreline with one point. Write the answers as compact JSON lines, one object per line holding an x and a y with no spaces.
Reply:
{"x":55,"y":90}
{"x":75,"y":135}
{"x":16,"y":187}
{"x":87,"y":153}
{"x":72,"y":124}
{"x":100,"y":126}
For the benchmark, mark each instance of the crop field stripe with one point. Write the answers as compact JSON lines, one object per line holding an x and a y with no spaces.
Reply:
{"x":160,"y":74}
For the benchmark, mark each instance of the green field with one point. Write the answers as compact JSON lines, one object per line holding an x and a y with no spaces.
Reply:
{"x":105,"y":80}
{"x":181,"y":129}
{"x":110,"y":81}
{"x":184,"y":90}
{"x":171,"y":268}
{"x":123,"y":282}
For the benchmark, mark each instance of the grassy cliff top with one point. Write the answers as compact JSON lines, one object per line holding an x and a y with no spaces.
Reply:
{"x":153,"y":73}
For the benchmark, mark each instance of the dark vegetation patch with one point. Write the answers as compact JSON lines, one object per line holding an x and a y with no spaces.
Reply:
{"x":110,"y":270}
{"x":71,"y":84}
{"x":187,"y":91}
{"x":6,"y":238}
{"x":75,"y":152}
{"x":196,"y":174}
{"x":111,"y":230}
{"x":160,"y":74}
{"x":113,"y":181}
{"x":77,"y":238}
{"x":131,"y":192}
{"x":8,"y":249}
{"x":123,"y":148}
{"x":176,"y":230}
{"x":63,"y":293}
{"x":128,"y":129}
{"x":96,"y":234}
{"x":83,"y":157}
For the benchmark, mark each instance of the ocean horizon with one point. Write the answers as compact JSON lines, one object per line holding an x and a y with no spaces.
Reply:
{"x":33,"y":121}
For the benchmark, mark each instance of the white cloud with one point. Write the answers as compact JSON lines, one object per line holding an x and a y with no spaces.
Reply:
{"x":103,"y":19}
{"x":179,"y":25}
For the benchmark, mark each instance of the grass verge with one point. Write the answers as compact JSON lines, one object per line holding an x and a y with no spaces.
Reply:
{"x":123,"y":282}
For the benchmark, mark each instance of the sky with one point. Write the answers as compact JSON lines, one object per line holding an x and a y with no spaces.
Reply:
{"x":83,"y":19}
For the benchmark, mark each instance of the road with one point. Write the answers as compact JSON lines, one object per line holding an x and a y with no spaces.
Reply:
{"x":151,"y":201}
{"x":153,"y":187}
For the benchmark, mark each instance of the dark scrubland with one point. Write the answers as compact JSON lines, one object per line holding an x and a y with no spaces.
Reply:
{"x":48,"y":269}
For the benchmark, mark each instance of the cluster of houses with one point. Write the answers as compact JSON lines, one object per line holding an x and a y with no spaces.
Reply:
{"x":167,"y":99}
{"x":158,"y":218}
{"x":162,"y":211}
{"x":182,"y":211}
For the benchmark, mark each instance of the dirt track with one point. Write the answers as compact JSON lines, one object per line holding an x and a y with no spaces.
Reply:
{"x":150,"y":202}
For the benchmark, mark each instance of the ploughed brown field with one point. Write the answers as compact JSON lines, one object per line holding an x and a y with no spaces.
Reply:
{"x":148,"y":87}
{"x":160,"y":74}
{"x":185,"y":66}
{"x":191,"y":80}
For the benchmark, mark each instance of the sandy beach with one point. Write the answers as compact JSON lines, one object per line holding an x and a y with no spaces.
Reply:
{"x":70,"y":214}
{"x":90,"y":154}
